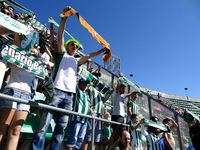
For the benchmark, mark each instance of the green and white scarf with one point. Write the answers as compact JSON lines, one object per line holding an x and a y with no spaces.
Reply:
{"x":99,"y":85}
{"x":20,"y":58}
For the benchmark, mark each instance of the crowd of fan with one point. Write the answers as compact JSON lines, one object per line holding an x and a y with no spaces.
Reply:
{"x":63,"y":89}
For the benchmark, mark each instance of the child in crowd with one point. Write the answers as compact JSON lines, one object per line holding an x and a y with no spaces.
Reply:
{"x":78,"y":125}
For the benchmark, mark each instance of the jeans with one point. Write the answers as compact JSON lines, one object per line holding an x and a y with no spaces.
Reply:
{"x":61,"y":100}
{"x":77,"y":134}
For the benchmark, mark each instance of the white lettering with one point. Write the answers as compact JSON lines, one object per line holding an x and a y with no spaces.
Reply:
{"x":17,"y":56}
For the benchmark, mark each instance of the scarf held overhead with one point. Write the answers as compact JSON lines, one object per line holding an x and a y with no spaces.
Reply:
{"x":106,"y":57}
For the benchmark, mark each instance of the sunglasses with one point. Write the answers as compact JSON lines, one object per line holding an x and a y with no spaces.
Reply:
{"x":74,"y":44}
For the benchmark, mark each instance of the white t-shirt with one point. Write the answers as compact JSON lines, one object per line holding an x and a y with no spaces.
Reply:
{"x":44,"y":57}
{"x":118,"y":104}
{"x":20,"y":79}
{"x":67,"y":74}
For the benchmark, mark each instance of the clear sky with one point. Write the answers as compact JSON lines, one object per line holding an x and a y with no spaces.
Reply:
{"x":158,"y":41}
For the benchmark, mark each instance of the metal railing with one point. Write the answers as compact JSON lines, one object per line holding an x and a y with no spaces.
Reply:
{"x":48,"y":107}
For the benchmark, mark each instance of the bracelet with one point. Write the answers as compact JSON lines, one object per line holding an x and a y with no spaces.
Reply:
{"x":66,"y":14}
{"x":62,"y":15}
{"x":103,"y":50}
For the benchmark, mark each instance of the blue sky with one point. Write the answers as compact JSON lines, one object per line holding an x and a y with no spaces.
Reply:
{"x":158,"y":41}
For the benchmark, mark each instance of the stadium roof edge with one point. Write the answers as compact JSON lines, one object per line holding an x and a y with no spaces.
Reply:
{"x":171,"y":96}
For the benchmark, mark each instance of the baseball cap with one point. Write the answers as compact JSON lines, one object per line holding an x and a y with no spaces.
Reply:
{"x":72,"y":40}
{"x":122,"y":82}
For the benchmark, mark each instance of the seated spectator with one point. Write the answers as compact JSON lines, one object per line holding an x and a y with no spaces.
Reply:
{"x":123,"y":143}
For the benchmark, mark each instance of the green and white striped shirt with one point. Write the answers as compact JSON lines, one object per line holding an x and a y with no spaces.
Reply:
{"x":134,"y":106}
{"x":81,"y":105}
{"x":137,"y":143}
{"x":153,"y":142}
{"x":96,"y":100}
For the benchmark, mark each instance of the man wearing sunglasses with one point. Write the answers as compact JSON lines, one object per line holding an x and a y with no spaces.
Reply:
{"x":65,"y":79}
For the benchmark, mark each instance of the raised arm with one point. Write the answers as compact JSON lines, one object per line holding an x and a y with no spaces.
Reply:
{"x":133,"y":127}
{"x":174,"y":124}
{"x":133,"y":94}
{"x":61,"y":29}
{"x":53,"y":40}
{"x":85,"y":58}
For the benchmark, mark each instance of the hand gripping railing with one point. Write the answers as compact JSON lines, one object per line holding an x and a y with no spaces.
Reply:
{"x":45,"y":106}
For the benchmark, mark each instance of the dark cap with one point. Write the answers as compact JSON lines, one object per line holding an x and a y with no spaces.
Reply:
{"x":154,"y":118}
{"x":82,"y":80}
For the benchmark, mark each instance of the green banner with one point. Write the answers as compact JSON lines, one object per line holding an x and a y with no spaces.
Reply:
{"x":155,"y":125}
{"x":14,"y":25}
{"x":20,"y":58}
{"x":96,"y":83}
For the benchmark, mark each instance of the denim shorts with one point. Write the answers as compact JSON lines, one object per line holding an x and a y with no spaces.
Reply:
{"x":97,"y":134}
{"x":15,"y":105}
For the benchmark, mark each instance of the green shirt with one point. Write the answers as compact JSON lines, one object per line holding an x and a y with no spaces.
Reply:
{"x":134,"y":106}
{"x":96,"y":100}
{"x":81,"y":105}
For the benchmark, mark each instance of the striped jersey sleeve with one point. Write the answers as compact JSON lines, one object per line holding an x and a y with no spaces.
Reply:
{"x":153,"y":142}
{"x":96,"y":100}
{"x":81,"y":105}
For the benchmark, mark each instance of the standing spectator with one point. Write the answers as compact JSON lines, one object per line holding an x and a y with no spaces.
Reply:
{"x":123,"y":143}
{"x":106,"y":129}
{"x":169,"y":141}
{"x":78,"y":125}
{"x":118,"y":112}
{"x":65,"y":86}
{"x":13,"y":114}
{"x":170,"y":123}
{"x":154,"y":136}
{"x":4,"y":77}
{"x":137,"y":143}
{"x":132,"y":107}
{"x":97,"y":103}
{"x":8,"y":10}
{"x":153,"y":129}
